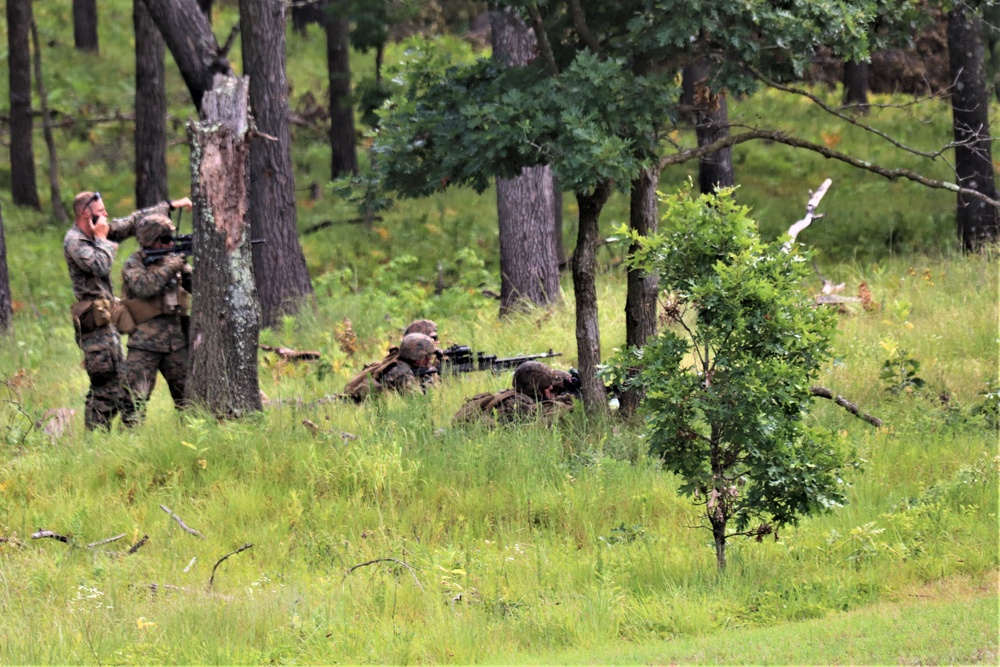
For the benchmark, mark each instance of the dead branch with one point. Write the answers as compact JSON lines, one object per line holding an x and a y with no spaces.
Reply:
{"x":814,"y":201}
{"x":386,"y":560}
{"x":48,"y":533}
{"x":350,"y":221}
{"x":211,"y":579}
{"x":288,"y":354}
{"x":224,"y":49}
{"x":544,"y":46}
{"x":107,"y":541}
{"x":181,"y":522}
{"x":138,"y":545}
{"x":823,"y":392}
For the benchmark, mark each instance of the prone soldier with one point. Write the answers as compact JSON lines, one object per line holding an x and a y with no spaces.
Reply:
{"x":538,"y":393}
{"x":413,"y":365}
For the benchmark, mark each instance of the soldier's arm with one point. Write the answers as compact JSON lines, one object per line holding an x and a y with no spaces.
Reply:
{"x":96,"y":259}
{"x":122,"y":228}
{"x":145,"y":282}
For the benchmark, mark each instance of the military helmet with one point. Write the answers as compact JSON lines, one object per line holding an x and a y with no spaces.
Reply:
{"x":416,"y":347}
{"x":426,"y":327}
{"x":151,"y":228}
{"x":534,"y":377}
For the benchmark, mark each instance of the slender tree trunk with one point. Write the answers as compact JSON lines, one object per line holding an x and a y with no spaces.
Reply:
{"x":24,"y":189}
{"x":343,"y":144}
{"x":719,"y":535}
{"x":856,"y":85}
{"x":150,"y":110}
{"x":189,"y":36}
{"x":85,"y":25}
{"x":526,"y":204}
{"x":557,"y":222}
{"x":279,"y":265}
{"x":588,"y":331}
{"x":978,"y":222}
{"x":225,"y":322}
{"x":711,"y":117}
{"x":55,"y":194}
{"x":640,"y":300}
{"x":6,"y":304}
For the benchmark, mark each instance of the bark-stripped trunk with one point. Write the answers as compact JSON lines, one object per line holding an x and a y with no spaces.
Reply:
{"x":279,"y":265}
{"x":6,"y":304}
{"x":85,"y":25}
{"x":225,"y":322}
{"x":189,"y":36}
{"x":588,"y":331}
{"x":150,"y":110}
{"x":526,"y":204}
{"x":23,"y":188}
{"x":343,"y":142}
{"x":640,"y":301}
{"x":55,"y":193}
{"x":856,"y":85}
{"x":711,"y":117}
{"x":978,"y":222}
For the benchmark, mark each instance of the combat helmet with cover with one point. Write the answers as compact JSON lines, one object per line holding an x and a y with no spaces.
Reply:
{"x":533,"y":378}
{"x":416,"y":347}
{"x":426,"y":327}
{"x":151,"y":228}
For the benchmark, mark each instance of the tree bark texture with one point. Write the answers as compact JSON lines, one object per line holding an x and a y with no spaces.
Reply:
{"x":526,"y":204}
{"x":23,"y":187}
{"x":978,"y":222}
{"x":150,"y":110}
{"x":343,"y":144}
{"x":188,"y":34}
{"x":588,"y":331}
{"x":206,"y":7}
{"x":55,"y":193}
{"x":856,"y":85}
{"x":85,"y":25}
{"x":640,"y":300}
{"x":279,"y":265}
{"x":6,"y":304}
{"x":225,"y":323}
{"x":711,"y":117}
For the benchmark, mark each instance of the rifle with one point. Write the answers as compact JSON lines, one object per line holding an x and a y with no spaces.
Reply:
{"x":461,"y":359}
{"x":183,"y":245}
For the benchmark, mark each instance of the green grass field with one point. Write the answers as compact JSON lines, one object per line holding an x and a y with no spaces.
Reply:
{"x":535,"y":545}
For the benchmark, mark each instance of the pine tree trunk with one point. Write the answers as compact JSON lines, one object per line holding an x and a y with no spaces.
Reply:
{"x":856,"y":85}
{"x":85,"y":25}
{"x":24,"y":189}
{"x":279,"y":265}
{"x":978,"y":222}
{"x":526,"y":204}
{"x":343,"y":144}
{"x":150,"y":110}
{"x":640,"y":301}
{"x":189,"y":36}
{"x":55,"y":193}
{"x":6,"y":304}
{"x":588,"y":331}
{"x":225,"y":321}
{"x":711,"y":117}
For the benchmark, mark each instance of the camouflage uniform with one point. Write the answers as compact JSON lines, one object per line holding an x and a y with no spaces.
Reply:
{"x":399,"y":371}
{"x":90,"y":261}
{"x":160,"y":343}
{"x":526,"y":402}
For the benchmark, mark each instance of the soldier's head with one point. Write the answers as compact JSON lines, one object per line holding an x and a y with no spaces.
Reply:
{"x":537,"y":380}
{"x":418,"y":350}
{"x":425,"y":327}
{"x":87,"y":206}
{"x":155,"y":231}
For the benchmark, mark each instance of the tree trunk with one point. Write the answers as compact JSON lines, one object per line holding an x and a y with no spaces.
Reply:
{"x":279,"y":265}
{"x":719,"y":535}
{"x":23,"y":187}
{"x":6,"y":309}
{"x":640,"y":301}
{"x":711,"y":117}
{"x":150,"y":110}
{"x":588,"y":331}
{"x":55,"y":194}
{"x":85,"y":25}
{"x":189,"y":36}
{"x":305,"y":13}
{"x":978,"y":222}
{"x":526,"y":204}
{"x":557,"y":222}
{"x":343,"y":145}
{"x":206,"y":7}
{"x":856,"y":85}
{"x":225,"y":322}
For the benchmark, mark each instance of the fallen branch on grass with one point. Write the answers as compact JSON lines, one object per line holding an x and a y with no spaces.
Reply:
{"x":811,"y":215}
{"x":823,"y":392}
{"x":386,"y":560}
{"x":211,"y":579}
{"x":288,"y":354}
{"x":181,"y":522}
{"x":138,"y":545}
{"x":107,"y":541}
{"x":48,"y":533}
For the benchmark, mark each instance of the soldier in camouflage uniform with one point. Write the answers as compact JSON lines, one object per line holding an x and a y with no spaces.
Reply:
{"x":426,"y":327}
{"x":537,"y":395}
{"x":90,"y":247}
{"x":414,"y":366}
{"x":158,"y":299}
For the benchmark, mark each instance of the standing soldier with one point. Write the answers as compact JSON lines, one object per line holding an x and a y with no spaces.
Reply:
{"x":156,"y":294}
{"x":90,"y":247}
{"x":414,"y":365}
{"x":539,"y":393}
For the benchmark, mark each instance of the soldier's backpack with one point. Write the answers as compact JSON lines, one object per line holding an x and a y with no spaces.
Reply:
{"x":361,"y":385}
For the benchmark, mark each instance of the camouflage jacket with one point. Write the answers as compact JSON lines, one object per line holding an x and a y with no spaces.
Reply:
{"x":510,"y":407}
{"x":162,"y":333}
{"x":90,"y":260}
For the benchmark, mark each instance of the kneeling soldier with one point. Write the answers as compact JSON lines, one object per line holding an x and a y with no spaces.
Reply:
{"x":157,"y":297}
{"x":413,"y":365}
{"x":537,"y":394}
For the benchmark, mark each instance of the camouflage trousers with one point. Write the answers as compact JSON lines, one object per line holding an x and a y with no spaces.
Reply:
{"x":105,"y":365}
{"x":142,"y":368}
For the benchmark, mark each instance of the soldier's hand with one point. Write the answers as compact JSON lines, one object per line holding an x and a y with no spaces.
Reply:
{"x":100,"y":228}
{"x":183,"y":202}
{"x":174,"y":263}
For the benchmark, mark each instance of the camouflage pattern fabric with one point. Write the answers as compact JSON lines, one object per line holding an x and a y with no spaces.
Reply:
{"x":398,"y":377}
{"x":105,"y":365}
{"x":510,"y":407}
{"x":142,"y":368}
